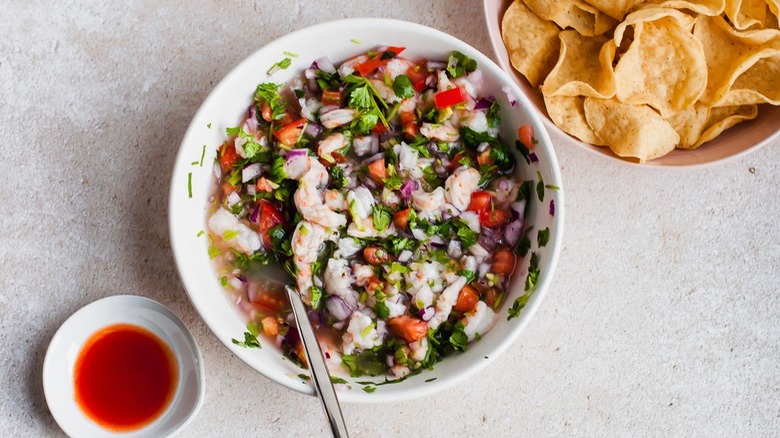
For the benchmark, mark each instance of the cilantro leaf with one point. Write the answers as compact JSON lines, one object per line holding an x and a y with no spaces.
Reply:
{"x":268,"y":92}
{"x":360,"y":98}
{"x":473,"y":138}
{"x":402,"y":86}
{"x":517,"y":306}
{"x":250,"y":341}
{"x":381,"y":218}
{"x":494,"y":115}
{"x":533,"y":273}
{"x":283,"y":64}
{"x":459,"y":64}
{"x":367,"y":362}
{"x":543,"y":237}
{"x":466,"y":235}
{"x":458,"y":338}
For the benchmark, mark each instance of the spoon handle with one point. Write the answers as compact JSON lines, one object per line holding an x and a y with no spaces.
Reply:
{"x":317,"y":368}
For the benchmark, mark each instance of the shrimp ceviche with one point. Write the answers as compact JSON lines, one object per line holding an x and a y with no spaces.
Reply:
{"x":384,"y":189}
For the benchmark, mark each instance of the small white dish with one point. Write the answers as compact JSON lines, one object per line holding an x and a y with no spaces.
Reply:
{"x":65,"y":346}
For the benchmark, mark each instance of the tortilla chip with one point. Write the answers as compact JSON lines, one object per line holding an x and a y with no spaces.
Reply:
{"x":664,"y":67}
{"x":576,"y":14}
{"x":532,"y":43}
{"x":706,"y":7}
{"x":730,"y":52}
{"x":567,"y":113}
{"x":689,"y":124}
{"x":758,"y":84}
{"x":651,"y":14}
{"x":584,"y":67}
{"x":634,"y":131}
{"x":745,"y":14}
{"x":722,"y":118}
{"x":616,"y":9}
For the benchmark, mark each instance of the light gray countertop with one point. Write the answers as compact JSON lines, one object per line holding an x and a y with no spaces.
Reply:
{"x":663,"y":318}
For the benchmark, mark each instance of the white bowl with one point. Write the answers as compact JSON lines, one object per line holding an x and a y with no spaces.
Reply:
{"x":733,"y":143}
{"x":60,"y":361}
{"x":225,"y":106}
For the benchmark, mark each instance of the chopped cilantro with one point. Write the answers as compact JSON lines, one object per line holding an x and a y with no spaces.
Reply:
{"x":473,"y":138}
{"x":338,"y":179}
{"x":459,"y":64}
{"x":523,"y":151}
{"x":368,"y":362}
{"x":338,"y":380}
{"x":208,"y":125}
{"x":223,"y":281}
{"x":552,"y":187}
{"x":458,"y":338}
{"x":533,"y":273}
{"x":250,"y":341}
{"x":230,"y":234}
{"x":200,"y":233}
{"x":430,"y":380}
{"x":540,"y":187}
{"x":369,"y":389}
{"x":402,"y":86}
{"x":470,"y":275}
{"x":316,"y":297}
{"x":268,"y":92}
{"x":290,"y":54}
{"x":524,"y":244}
{"x":542,"y":237}
{"x":356,"y":41}
{"x":213,"y":250}
{"x":381,"y":309}
{"x":517,"y":306}
{"x":304,"y":377}
{"x":283,"y":64}
{"x":203,"y":152}
{"x":466,"y":235}
{"x":381,"y":217}
{"x":189,"y":184}
{"x":494,"y":114}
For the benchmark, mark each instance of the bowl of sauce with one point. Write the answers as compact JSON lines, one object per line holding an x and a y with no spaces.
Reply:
{"x":123,"y":365}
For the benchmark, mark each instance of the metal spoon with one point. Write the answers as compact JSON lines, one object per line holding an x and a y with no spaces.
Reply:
{"x":317,"y":368}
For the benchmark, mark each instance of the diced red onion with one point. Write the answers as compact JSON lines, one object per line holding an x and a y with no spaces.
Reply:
{"x":251,"y":190}
{"x":374,"y":157}
{"x":368,"y":182}
{"x":552,"y":207}
{"x":513,"y":231}
{"x":454,"y":249}
{"x":503,"y":185}
{"x":233,"y":199}
{"x":327,"y":355}
{"x":390,"y":360}
{"x":238,"y":143}
{"x":312,"y":78}
{"x":430,"y":81}
{"x":484,"y":103}
{"x":519,"y":207}
{"x":408,"y":187}
{"x":339,"y":325}
{"x":235,"y":283}
{"x":312,"y":129}
{"x":509,"y":96}
{"x":323,"y":63}
{"x":427,"y":313}
{"x":338,"y":308}
{"x":254,"y":216}
{"x":217,"y":169}
{"x":419,"y":234}
{"x":327,"y":108}
{"x":532,"y":156}
{"x":252,"y":291}
{"x":250,"y":172}
{"x":435,"y":65}
{"x":296,"y":163}
{"x":374,"y":143}
{"x":483,"y":146}
{"x":405,"y":256}
{"x":483,"y":269}
{"x":437,"y":240}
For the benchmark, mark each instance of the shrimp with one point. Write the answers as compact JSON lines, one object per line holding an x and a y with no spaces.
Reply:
{"x":335,"y":200}
{"x":361,"y":333}
{"x":338,"y":281}
{"x":309,"y":199}
{"x":460,"y":185}
{"x":331,"y":144}
{"x":443,"y":131}
{"x":306,"y":242}
{"x":428,"y":201}
{"x":347,"y":67}
{"x":364,"y":146}
{"x":338,"y":117}
{"x":385,"y":91}
{"x":397,"y":67}
{"x":246,"y":239}
{"x":445,"y":302}
{"x":479,"y":321}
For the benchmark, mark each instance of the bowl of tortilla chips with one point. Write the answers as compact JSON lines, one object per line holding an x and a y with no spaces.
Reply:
{"x":660,"y":82}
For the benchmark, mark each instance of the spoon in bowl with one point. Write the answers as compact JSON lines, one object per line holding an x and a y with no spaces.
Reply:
{"x":317,"y":367}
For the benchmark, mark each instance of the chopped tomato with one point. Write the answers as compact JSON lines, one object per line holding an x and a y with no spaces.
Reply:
{"x":467,"y":299}
{"x":228,"y":156}
{"x":450,"y":97}
{"x":418,"y":74}
{"x":401,"y":218}
{"x":378,"y":172}
{"x":268,"y":218}
{"x":408,"y":328}
{"x":480,"y":201}
{"x":494,"y":218}
{"x":368,"y":67}
{"x":289,"y":117}
{"x":379,"y":128}
{"x":270,"y":325}
{"x":337,"y":157}
{"x":484,"y":158}
{"x":503,"y":262}
{"x":409,"y":120}
{"x":526,"y":135}
{"x":376,"y":255}
{"x":330,"y":97}
{"x":290,"y":132}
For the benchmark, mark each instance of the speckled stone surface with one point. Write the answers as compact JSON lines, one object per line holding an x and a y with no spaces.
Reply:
{"x":662,"y":320}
